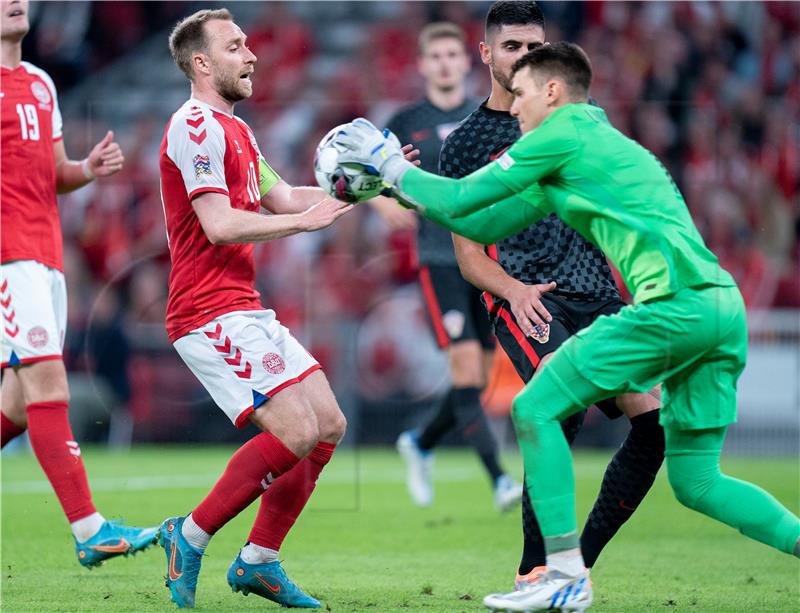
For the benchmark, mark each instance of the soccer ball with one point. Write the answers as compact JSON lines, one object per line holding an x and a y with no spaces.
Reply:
{"x":348,"y":182}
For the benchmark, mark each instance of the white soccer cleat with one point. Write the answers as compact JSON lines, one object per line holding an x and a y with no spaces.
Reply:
{"x":419,"y":465}
{"x":526,"y":582}
{"x":553,"y":592}
{"x":507,"y":493}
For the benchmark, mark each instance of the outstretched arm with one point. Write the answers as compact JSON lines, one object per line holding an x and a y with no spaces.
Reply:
{"x":224,"y":224}
{"x":490,"y":224}
{"x":451,"y":197}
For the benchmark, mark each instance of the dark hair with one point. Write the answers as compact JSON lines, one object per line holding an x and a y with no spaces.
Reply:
{"x":562,"y":59}
{"x":513,"y":13}
{"x":188,"y":37}
{"x":436,"y":31}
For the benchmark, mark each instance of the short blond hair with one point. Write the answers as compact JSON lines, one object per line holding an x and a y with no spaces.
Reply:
{"x":189,"y":37}
{"x":437,"y":30}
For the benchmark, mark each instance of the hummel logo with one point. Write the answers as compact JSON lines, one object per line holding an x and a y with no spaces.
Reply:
{"x":265,"y":483}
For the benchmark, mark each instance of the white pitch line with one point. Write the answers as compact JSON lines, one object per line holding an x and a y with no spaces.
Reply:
{"x":140,"y":483}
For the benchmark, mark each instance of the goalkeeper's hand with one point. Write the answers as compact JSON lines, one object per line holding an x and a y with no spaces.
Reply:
{"x":379,"y":152}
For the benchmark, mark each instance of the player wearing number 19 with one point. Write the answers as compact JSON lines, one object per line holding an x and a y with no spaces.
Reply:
{"x":687,"y":327}
{"x":33,"y":294}
{"x":214,"y":182}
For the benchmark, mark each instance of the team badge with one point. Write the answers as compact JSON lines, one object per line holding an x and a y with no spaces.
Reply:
{"x":541,"y":333}
{"x":202,"y":165}
{"x":453,"y":322}
{"x":273,"y":363}
{"x":37,"y":337}
{"x":40,"y":91}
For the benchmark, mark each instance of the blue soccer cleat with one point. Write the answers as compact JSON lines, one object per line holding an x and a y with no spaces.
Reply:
{"x":113,"y":539}
{"x":183,"y":562}
{"x":269,"y":581}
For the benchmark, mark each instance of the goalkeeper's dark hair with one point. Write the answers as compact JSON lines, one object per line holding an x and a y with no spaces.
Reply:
{"x":436,"y":31}
{"x":513,"y":13}
{"x":189,"y":37}
{"x":565,"y":60}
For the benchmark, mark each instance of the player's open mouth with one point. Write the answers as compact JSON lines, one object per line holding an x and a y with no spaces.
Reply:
{"x":16,"y":13}
{"x":246,"y":75}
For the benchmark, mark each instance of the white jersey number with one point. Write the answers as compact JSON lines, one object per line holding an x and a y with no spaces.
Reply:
{"x":28,"y":121}
{"x":253,"y":190}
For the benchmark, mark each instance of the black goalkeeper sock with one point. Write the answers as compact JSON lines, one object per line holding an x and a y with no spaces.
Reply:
{"x":533,"y":553}
{"x":474,"y":428}
{"x":628,"y":478}
{"x":442,"y":421}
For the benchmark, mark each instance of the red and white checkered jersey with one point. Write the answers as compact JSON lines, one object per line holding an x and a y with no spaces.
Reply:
{"x":207,"y":150}
{"x":31,"y":123}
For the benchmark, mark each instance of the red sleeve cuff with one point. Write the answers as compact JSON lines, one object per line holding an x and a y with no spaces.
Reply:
{"x":205,"y":190}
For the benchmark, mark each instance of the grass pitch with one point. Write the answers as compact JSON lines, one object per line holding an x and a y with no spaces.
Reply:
{"x":362,"y":546}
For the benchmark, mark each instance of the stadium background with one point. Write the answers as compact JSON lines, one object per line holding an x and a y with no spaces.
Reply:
{"x":713,"y":89}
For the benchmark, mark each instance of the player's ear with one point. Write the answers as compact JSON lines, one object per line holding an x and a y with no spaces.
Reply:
{"x":201,"y":63}
{"x":554,"y":90}
{"x":486,"y":53}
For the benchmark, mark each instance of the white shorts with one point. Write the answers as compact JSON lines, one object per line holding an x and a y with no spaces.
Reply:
{"x":33,"y":303}
{"x":244,"y":358}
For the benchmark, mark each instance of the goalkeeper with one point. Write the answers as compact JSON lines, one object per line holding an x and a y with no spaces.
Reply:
{"x":686,"y":329}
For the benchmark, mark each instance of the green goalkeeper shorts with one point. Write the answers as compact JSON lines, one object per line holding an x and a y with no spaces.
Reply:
{"x":694,"y":342}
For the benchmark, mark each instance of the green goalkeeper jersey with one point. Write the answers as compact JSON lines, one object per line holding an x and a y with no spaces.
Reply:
{"x":605,"y":185}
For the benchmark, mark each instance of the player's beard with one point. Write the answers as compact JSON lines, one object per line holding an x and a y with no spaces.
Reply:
{"x":230,"y":87}
{"x":503,"y":79}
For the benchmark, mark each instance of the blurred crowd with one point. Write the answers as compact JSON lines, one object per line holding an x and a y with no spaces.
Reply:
{"x":712,"y":89}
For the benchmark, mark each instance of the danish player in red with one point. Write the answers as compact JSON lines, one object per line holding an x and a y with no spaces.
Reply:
{"x":214,"y":183}
{"x":33,"y":297}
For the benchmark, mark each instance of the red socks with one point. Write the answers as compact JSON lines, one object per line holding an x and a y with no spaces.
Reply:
{"x":283,"y":502}
{"x":252,"y":468}
{"x":8,"y":430}
{"x":60,"y":457}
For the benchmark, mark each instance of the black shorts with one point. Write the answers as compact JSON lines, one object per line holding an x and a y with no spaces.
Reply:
{"x":454,"y":307}
{"x":569,"y":316}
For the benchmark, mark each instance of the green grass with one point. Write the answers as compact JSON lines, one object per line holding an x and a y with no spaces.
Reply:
{"x":362,"y":546}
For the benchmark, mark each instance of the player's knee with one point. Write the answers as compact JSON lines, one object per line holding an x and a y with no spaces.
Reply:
{"x":687,"y":486}
{"x":305,"y":437}
{"x":633,"y":405}
{"x":44,"y":381}
{"x":467,"y":365}
{"x":525,"y":409}
{"x":334,"y":427}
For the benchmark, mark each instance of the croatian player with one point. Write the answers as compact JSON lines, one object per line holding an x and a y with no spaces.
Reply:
{"x":542,"y":286}
{"x":214,"y":181}
{"x":454,"y":307}
{"x":687,"y":327}
{"x":33,"y":295}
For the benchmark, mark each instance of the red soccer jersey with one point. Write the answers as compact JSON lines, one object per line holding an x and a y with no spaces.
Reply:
{"x":207,"y":150}
{"x":31,"y":123}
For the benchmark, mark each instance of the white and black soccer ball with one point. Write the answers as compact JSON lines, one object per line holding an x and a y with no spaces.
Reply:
{"x":348,"y":182}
